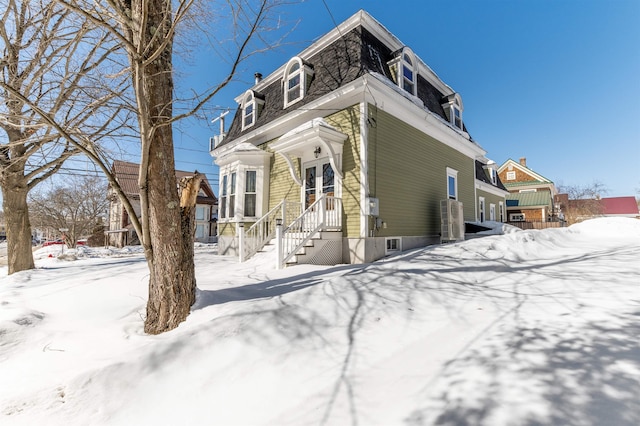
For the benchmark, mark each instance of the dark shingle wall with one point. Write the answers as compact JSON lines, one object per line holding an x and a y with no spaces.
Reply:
{"x":356,"y":53}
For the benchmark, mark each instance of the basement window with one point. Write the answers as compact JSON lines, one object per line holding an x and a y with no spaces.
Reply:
{"x":393,"y":245}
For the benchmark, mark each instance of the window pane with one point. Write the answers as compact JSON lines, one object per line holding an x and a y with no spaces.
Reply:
{"x":249,"y":204}
{"x":232,"y":189}
{"x":232,"y":205}
{"x":328,"y":178}
{"x":294,"y":67}
{"x":452,"y":187}
{"x":310,"y":186}
{"x":408,"y":74}
{"x":224,"y":185}
{"x":294,"y":81}
{"x":250,"y":181}
{"x":200,"y":212}
{"x":408,"y":86}
{"x":223,"y":207}
{"x":248,"y":115}
{"x":200,"y":231}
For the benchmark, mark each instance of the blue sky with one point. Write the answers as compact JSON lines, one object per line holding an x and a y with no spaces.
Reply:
{"x":555,"y":81}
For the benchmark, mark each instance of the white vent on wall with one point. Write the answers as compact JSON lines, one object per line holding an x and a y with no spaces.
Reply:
{"x":451,"y":221}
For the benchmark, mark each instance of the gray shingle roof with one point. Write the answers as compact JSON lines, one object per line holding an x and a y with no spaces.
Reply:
{"x":356,"y":53}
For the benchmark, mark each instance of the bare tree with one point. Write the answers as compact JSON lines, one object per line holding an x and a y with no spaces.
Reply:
{"x":581,"y":201}
{"x":53,"y":64}
{"x":147,"y":29}
{"x":75,"y":204}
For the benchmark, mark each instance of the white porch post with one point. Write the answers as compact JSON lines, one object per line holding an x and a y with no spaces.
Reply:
{"x":323,"y":211}
{"x":279,"y":252}
{"x":241,"y":241}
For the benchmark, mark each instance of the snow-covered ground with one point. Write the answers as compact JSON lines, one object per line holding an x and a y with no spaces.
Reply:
{"x":531,"y":327}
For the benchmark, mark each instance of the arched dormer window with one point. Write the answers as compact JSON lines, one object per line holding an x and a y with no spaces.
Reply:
{"x":408,"y":76}
{"x":404,"y":69}
{"x":297,"y":76}
{"x":251,"y":105}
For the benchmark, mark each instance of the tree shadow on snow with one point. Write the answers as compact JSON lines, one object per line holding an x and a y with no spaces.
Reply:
{"x":533,"y":374}
{"x":577,"y":373}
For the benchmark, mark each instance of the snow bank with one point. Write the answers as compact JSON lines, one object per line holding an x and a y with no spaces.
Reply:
{"x":528,"y":327}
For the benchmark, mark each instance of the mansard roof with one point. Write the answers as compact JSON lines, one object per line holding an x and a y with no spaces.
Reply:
{"x":483,"y":176}
{"x":359,"y":46}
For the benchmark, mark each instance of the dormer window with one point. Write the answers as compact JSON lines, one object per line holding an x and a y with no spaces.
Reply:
{"x":408,"y":75}
{"x":492,"y":171}
{"x":297,"y":76}
{"x":403,"y":68}
{"x":250,"y":109}
{"x":452,"y":105}
{"x":457,"y":116}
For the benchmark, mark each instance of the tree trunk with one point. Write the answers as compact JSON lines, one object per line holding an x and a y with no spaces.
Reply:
{"x":16,"y":214}
{"x":169,"y":249}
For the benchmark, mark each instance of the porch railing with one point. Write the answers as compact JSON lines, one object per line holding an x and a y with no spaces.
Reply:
{"x":323,"y":215}
{"x":261,"y":232}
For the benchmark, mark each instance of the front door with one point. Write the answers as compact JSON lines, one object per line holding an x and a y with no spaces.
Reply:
{"x":319,"y":179}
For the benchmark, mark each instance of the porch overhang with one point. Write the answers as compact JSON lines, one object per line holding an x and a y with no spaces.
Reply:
{"x":308,"y":137}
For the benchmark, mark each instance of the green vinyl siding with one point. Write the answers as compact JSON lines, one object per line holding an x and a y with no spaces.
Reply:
{"x":348,"y":122}
{"x":408,"y":174}
{"x":488,"y":200}
{"x":281,"y":184}
{"x":227,"y":229}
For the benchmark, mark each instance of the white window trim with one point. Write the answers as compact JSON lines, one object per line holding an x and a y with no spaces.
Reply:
{"x":482,"y":216}
{"x":454,"y":174}
{"x":453,"y":104}
{"x":305,"y":73}
{"x":224,"y":194}
{"x":501,"y":207}
{"x":511,"y":175}
{"x":492,"y":212}
{"x":400,"y":62}
{"x":257,"y":193}
{"x":387,"y":251}
{"x":516,"y":217}
{"x":241,"y":172}
{"x":249,"y":100}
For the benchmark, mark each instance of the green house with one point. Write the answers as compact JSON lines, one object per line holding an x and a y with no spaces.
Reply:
{"x":352,"y":150}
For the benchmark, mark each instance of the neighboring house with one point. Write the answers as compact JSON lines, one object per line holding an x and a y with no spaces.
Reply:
{"x":121,"y":231}
{"x":579,"y":210}
{"x":620,"y":207}
{"x":530,"y":196}
{"x":357,"y":148}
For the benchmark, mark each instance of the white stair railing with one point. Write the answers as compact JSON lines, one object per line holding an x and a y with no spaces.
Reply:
{"x":263,"y":230}
{"x":324,"y":214}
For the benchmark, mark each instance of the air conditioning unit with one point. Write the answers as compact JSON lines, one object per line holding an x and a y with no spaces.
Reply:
{"x":451,"y":221}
